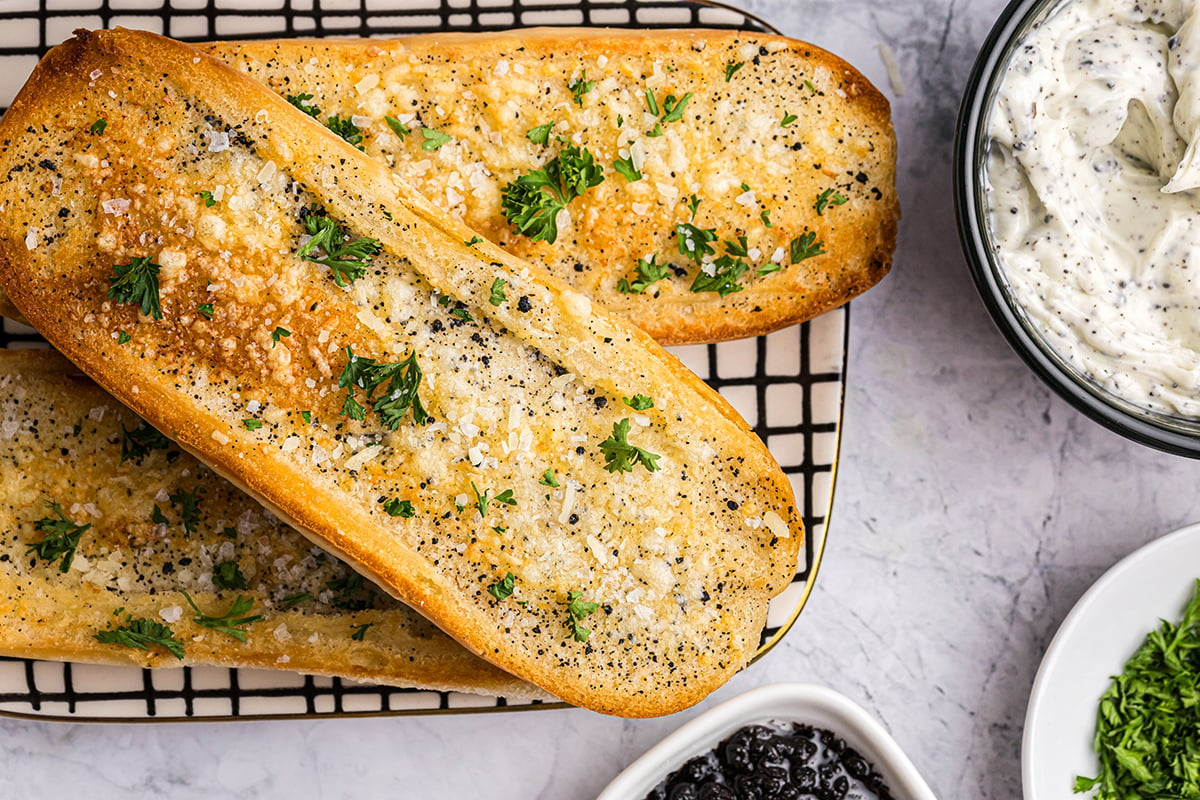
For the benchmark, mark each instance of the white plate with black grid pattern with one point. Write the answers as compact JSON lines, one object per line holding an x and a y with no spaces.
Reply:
{"x":789,"y":384}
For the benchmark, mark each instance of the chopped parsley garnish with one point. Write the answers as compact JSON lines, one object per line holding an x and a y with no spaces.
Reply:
{"x":353,"y":593}
{"x":98,"y":127}
{"x":731,"y":68}
{"x":486,"y":498}
{"x":205,"y":310}
{"x":579,"y":87}
{"x":232,"y":622}
{"x":788,"y":119}
{"x":189,"y":507}
{"x":805,"y":246}
{"x":726,"y":272}
{"x":639,"y":402}
{"x":810,"y":86}
{"x":252,"y":424}
{"x":460,"y":312}
{"x":402,"y":379}
{"x":652,"y":103}
{"x":142,"y":634}
{"x":740,"y":248}
{"x":693,"y":205}
{"x":497,"y":297}
{"x":503,"y":588}
{"x":695,"y":242}
{"x":137,"y":283}
{"x":346,"y":129}
{"x":293,"y":600}
{"x":207,"y":197}
{"x":61,"y":539}
{"x":627,"y":169}
{"x":474,"y":240}
{"x":434,"y":139}
{"x":228,"y":575}
{"x":395,"y":507}
{"x":398,"y":127}
{"x":300,"y":101}
{"x":277,"y":334}
{"x":829,"y":197}
{"x":540,"y":134}
{"x":158,"y":517}
{"x":671,"y":111}
{"x":766,"y":218}
{"x":136,"y":444}
{"x":531,"y":203}
{"x":306,"y":416}
{"x":621,"y":456}
{"x":648,"y":272}
{"x":548,"y":479}
{"x":360,"y":632}
{"x":123,"y":337}
{"x":579,"y":609}
{"x":1147,"y":726}
{"x":347,"y":260}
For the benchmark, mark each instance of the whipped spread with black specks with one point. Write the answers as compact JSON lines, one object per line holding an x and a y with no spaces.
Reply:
{"x":1093,"y":178}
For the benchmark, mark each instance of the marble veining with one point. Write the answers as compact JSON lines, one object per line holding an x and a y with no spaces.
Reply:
{"x":973,"y":509}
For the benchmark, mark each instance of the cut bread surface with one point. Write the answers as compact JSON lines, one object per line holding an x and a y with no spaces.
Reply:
{"x":150,"y":523}
{"x":584,"y":512}
{"x":730,"y":153}
{"x":727,"y":134}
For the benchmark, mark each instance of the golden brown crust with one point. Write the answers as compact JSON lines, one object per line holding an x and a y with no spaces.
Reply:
{"x":7,"y":309}
{"x":859,"y":241}
{"x":63,"y":440}
{"x":680,"y":562}
{"x":468,"y":86}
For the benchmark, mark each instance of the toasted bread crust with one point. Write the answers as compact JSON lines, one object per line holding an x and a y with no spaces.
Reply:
{"x":488,"y":90}
{"x":680,"y":562}
{"x":64,"y":441}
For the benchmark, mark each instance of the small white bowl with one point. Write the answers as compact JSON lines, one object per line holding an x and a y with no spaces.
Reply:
{"x":785,"y":702}
{"x":1104,"y":629}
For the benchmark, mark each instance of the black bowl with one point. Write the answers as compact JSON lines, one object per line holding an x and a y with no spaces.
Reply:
{"x":1173,"y":434}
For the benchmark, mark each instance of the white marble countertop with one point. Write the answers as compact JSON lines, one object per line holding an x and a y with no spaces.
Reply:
{"x":973,"y":509}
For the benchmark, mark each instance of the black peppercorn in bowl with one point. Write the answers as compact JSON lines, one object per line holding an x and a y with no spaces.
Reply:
{"x":785,"y":740}
{"x":1037,"y":335}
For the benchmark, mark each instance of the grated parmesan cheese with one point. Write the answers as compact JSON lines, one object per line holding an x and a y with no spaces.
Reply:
{"x":116,"y":206}
{"x":776,"y":525}
{"x":218,"y":141}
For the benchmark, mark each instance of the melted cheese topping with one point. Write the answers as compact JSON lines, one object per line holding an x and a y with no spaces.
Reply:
{"x":730,"y":148}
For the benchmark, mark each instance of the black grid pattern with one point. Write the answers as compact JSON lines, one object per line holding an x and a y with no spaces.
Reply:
{"x":207,"y":692}
{"x":788,"y":384}
{"x":50,"y":21}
